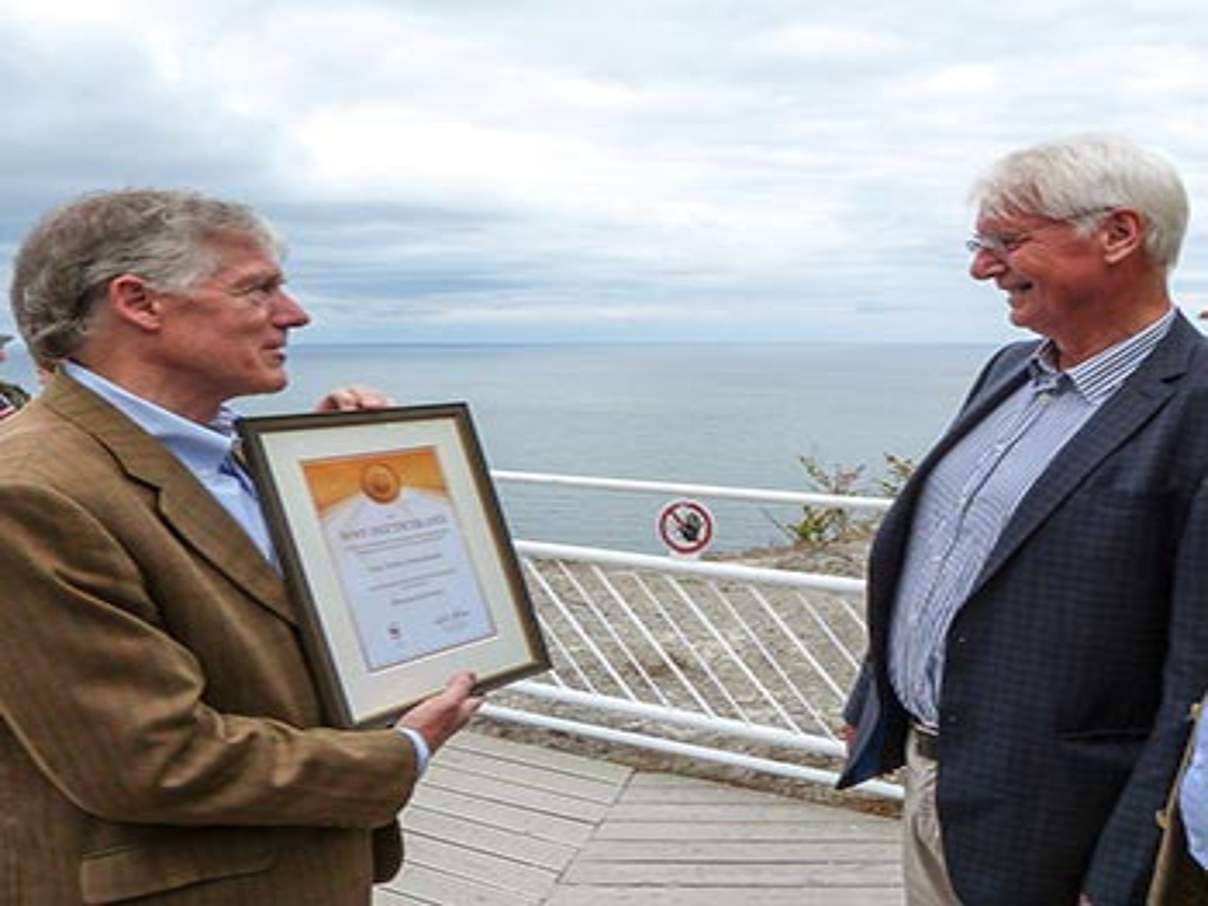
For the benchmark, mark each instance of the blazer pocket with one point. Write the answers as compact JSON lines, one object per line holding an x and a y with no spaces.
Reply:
{"x":125,"y":872}
{"x":1089,"y":753}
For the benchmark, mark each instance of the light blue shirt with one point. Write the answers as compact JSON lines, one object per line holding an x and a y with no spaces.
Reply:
{"x":206,"y":451}
{"x":971,"y":494}
{"x":1193,"y":796}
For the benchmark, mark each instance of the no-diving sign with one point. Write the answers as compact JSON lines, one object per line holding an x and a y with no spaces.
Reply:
{"x":685,"y":526}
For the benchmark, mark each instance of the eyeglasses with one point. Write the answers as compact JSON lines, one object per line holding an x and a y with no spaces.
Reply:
{"x":1001,"y":246}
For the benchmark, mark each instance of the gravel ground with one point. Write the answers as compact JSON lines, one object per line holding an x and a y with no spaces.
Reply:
{"x":590,"y":599}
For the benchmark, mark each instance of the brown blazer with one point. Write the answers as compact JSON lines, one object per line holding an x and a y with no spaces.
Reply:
{"x":160,"y":735}
{"x":1178,"y":880}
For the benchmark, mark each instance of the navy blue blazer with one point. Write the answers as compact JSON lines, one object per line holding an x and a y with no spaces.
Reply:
{"x":1072,"y":665}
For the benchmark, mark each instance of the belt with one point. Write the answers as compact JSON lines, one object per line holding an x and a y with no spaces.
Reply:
{"x":926,"y":742}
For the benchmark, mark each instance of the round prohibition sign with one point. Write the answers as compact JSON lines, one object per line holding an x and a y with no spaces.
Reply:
{"x":685,"y":526}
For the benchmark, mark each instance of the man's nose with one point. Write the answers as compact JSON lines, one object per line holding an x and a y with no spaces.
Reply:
{"x":288,"y":312}
{"x":985,"y":264}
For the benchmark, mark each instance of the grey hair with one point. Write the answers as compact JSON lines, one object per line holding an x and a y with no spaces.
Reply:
{"x":167,"y":237}
{"x":1083,"y":176}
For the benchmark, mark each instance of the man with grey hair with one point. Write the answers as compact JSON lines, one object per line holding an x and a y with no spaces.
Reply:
{"x":1037,"y":621}
{"x":161,"y":736}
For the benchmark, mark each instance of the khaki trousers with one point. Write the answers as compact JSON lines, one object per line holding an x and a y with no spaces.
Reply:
{"x":923,"y":868}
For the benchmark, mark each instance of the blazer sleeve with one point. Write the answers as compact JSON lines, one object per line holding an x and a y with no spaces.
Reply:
{"x":112,"y":708}
{"x":1120,"y":870}
{"x":857,"y":699}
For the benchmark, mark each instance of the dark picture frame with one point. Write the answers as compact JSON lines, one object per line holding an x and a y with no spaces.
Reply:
{"x":395,"y":551}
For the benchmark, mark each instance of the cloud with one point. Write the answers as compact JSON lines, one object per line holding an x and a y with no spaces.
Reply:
{"x":550,"y":170}
{"x":839,"y":45}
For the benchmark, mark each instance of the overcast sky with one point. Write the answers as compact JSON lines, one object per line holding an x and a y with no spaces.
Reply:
{"x":465,"y":170}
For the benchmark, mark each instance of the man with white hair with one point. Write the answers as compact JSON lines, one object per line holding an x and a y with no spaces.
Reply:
{"x":1037,"y":610}
{"x":162,"y":739}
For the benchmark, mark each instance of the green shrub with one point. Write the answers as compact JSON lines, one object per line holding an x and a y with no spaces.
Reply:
{"x":824,"y":525}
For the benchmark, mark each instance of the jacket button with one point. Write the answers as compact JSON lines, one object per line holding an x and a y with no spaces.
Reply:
{"x":1162,"y":819}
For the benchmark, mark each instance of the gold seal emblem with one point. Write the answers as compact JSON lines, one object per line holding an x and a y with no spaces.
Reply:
{"x":379,"y":482}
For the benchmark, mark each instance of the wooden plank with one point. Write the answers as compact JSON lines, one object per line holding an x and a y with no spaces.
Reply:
{"x":662,"y":780}
{"x":724,"y":896}
{"x":474,"y":834}
{"x":774,"y":813}
{"x":431,"y":886}
{"x":507,"y":750}
{"x":787,"y":831}
{"x":669,"y":788}
{"x":739,"y":852}
{"x":384,"y":897}
{"x":537,"y":776}
{"x":498,"y":789}
{"x":484,"y":868}
{"x":719,"y":793}
{"x":500,"y":815}
{"x":667,"y":778}
{"x":754,"y":876}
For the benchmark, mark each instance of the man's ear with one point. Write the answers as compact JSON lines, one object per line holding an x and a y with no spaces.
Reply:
{"x":134,"y":301}
{"x":1123,"y":233}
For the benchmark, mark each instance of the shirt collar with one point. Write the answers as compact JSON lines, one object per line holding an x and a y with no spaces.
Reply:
{"x":202,"y":448}
{"x":1101,"y":375}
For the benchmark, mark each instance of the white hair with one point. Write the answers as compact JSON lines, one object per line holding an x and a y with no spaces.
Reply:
{"x":1083,"y":176}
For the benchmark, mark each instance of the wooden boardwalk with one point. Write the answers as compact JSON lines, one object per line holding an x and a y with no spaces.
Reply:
{"x":498,"y":823}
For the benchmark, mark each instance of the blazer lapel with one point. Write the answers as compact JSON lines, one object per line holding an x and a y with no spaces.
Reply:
{"x":213,"y":533}
{"x":183,"y":502}
{"x":1143,"y":394}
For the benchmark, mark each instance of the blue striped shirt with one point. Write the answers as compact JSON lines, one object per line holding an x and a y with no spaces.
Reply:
{"x":972,"y":493}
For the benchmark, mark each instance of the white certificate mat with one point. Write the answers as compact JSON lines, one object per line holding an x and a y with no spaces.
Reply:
{"x":395,"y":551}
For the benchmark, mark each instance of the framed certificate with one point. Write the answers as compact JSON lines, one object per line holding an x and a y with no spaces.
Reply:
{"x":393,"y":546}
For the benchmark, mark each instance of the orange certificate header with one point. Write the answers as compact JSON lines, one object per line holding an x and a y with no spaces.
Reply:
{"x":378,"y":476}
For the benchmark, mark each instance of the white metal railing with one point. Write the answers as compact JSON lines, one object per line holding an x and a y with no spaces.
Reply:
{"x":721,"y":492}
{"x":735,"y":664}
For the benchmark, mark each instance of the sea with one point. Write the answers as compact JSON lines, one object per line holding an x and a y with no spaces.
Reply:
{"x":716,"y":414}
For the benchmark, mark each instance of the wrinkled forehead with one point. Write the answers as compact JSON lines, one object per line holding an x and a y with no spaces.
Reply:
{"x":232,"y":253}
{"x":996,"y":223}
